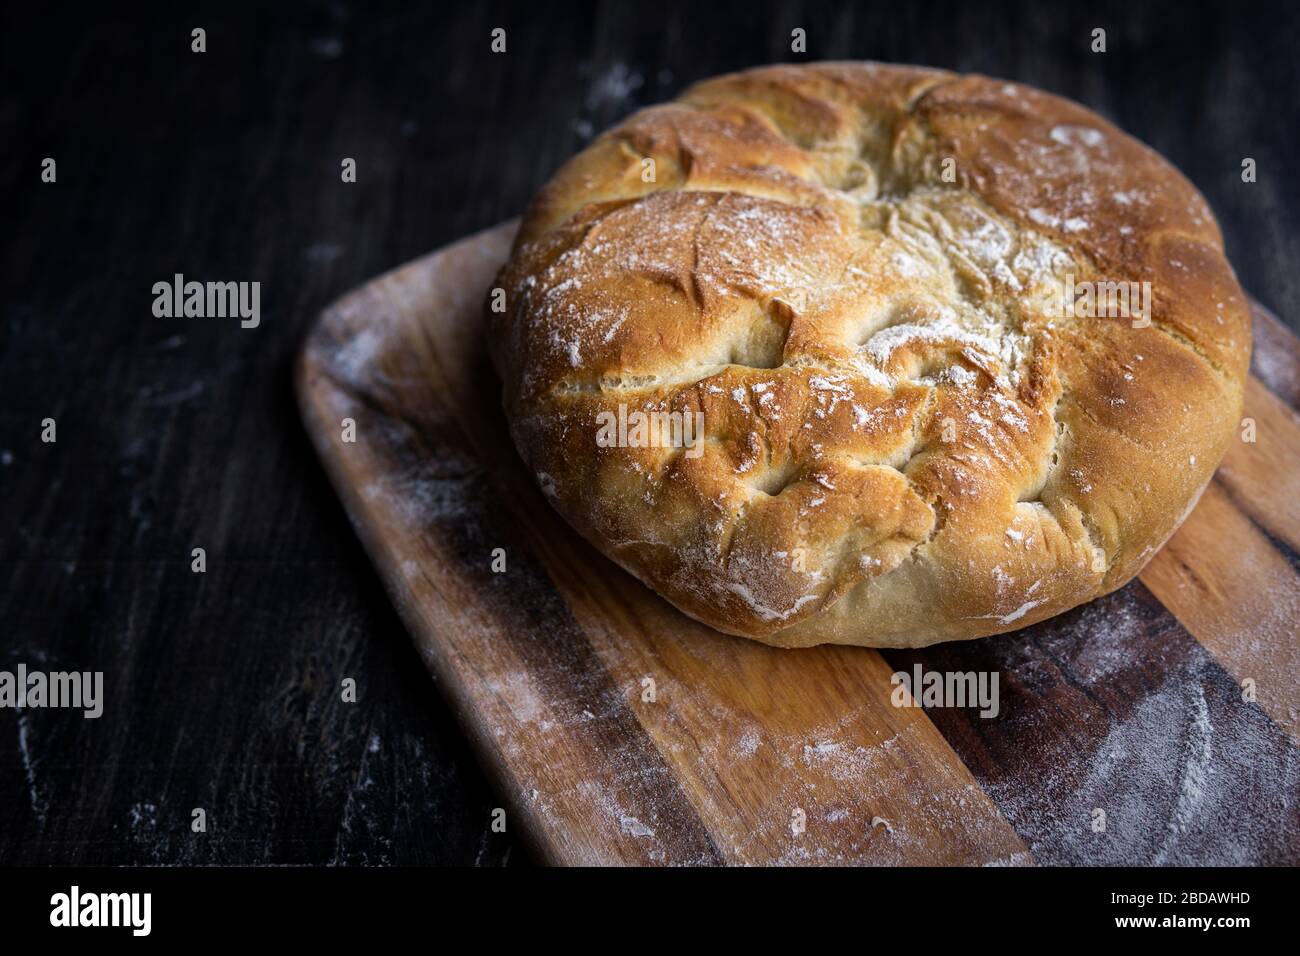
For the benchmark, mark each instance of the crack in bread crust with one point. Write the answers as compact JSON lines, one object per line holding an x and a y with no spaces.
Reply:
{"x":848,"y":271}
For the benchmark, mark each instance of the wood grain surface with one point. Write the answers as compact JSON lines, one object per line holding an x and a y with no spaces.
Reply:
{"x":748,"y":754}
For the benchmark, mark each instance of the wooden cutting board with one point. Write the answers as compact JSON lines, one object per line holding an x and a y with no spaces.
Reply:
{"x":1132,"y":705}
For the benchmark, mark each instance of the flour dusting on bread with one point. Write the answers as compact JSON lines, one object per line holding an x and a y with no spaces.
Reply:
{"x":854,"y":275}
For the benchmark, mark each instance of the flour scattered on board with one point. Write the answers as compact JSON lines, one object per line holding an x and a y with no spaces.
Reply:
{"x":1196,"y":769}
{"x":1159,"y":739}
{"x":634,"y":827}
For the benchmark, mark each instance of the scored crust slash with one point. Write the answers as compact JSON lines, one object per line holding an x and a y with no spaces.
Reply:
{"x":868,"y":282}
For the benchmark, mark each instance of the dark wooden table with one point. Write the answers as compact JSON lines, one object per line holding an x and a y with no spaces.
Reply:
{"x":222,"y":689}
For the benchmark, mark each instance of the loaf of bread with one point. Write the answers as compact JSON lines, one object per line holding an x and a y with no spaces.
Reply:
{"x":871,"y":354}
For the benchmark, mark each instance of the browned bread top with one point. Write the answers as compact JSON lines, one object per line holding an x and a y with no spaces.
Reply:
{"x":871,"y":283}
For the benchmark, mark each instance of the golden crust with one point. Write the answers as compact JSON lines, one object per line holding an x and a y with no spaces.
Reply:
{"x":853,"y":273}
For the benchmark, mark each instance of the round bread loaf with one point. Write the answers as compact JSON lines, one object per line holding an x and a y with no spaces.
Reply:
{"x":858,"y":353}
